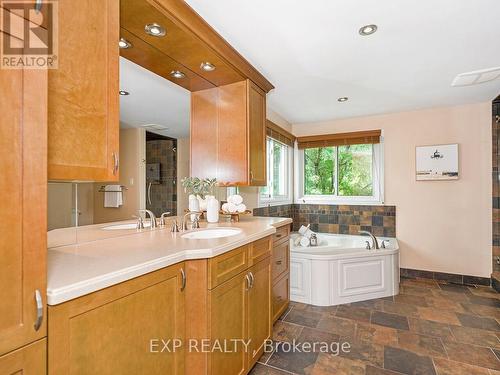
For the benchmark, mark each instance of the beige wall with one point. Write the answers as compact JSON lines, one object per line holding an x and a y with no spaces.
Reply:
{"x":60,"y":205}
{"x":130,"y":159}
{"x":182,"y":171}
{"x":442,"y":226}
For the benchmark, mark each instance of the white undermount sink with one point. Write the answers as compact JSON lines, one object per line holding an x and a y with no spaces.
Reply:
{"x":205,"y":234}
{"x":124,"y":226}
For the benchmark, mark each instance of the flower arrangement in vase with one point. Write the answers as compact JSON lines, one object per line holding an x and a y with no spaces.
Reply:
{"x":202,"y":189}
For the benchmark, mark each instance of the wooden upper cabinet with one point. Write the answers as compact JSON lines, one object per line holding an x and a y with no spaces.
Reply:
{"x":23,"y":205}
{"x":228,"y":138}
{"x":83,"y":113}
{"x":257,"y":135}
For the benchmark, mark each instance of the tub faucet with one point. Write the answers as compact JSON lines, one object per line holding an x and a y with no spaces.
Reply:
{"x":374,"y":239}
{"x":151,"y":216}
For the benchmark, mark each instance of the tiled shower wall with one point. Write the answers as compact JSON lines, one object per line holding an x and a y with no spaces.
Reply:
{"x":496,"y":188}
{"x":342,"y":219}
{"x":163,"y":195}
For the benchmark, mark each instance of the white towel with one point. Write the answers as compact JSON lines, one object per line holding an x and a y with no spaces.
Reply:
{"x":235,"y":199}
{"x":241,"y":208}
{"x":113,"y":197}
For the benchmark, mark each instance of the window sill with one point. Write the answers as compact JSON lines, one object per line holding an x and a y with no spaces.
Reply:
{"x":272,"y":202}
{"x":337,"y":202}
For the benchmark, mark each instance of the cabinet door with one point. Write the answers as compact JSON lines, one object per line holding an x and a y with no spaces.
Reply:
{"x":259,"y":309}
{"x":23,"y":202}
{"x":119,"y":330}
{"x":83,"y":93}
{"x":228,"y":322}
{"x":256,"y":135}
{"x":281,"y":296}
{"x":29,"y":360}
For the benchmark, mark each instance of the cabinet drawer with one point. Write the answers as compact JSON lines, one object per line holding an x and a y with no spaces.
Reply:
{"x":29,"y":360}
{"x":280,"y":262}
{"x":281,"y":296}
{"x":259,"y":250}
{"x":281,"y":233}
{"x":223,"y":267}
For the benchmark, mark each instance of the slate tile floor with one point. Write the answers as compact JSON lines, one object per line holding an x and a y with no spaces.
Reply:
{"x":429,"y":328}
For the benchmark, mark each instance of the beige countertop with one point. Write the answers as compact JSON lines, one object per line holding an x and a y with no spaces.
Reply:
{"x":96,"y":263}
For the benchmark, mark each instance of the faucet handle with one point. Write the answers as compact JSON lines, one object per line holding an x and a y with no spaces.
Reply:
{"x":140,"y":222}
{"x":368,"y":246}
{"x":383,"y":244}
{"x":175,"y":227}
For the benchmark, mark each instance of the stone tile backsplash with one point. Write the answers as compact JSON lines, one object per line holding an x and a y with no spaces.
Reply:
{"x":340,"y":219}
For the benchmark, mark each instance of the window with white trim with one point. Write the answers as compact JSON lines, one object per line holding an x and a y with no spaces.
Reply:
{"x":279,"y":165}
{"x":340,"y":174}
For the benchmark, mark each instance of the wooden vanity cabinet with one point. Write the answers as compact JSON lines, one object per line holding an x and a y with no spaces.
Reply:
{"x":23,"y":212}
{"x":228,"y":134}
{"x":29,"y":360}
{"x":238,"y":306}
{"x":110,"y":331}
{"x":83,"y":115}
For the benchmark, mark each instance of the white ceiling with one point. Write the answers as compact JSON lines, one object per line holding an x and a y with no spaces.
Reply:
{"x":312,"y":52}
{"x":152,"y":100}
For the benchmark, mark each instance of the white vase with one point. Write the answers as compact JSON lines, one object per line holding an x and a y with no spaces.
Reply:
{"x":212,"y":209}
{"x":194,"y":205}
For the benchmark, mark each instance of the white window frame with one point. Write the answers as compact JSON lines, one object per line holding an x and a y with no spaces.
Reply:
{"x":378,"y":182}
{"x":287,"y":198}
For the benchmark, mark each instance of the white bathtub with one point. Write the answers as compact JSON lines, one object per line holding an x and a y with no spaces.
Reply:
{"x":341,"y":270}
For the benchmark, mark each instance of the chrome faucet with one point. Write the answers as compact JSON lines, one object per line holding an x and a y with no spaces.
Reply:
{"x":162,"y":218}
{"x":151,"y":216}
{"x":374,"y":239}
{"x":195,"y":224}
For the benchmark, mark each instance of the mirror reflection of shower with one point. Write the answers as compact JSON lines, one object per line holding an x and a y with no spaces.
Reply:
{"x":161,"y":174}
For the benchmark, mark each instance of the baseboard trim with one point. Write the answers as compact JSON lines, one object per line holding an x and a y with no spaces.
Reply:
{"x":449,"y":277}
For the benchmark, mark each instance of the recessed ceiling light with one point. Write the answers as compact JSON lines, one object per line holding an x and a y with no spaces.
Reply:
{"x":124,"y":43}
{"x":343,"y":99}
{"x":123,"y":92}
{"x":207,"y":67}
{"x":154,"y":29}
{"x":177,"y":74}
{"x":368,"y":30}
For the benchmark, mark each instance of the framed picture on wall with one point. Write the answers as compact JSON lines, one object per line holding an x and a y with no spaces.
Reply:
{"x":437,"y":162}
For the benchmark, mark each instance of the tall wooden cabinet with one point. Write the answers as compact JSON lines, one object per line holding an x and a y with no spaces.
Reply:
{"x":228,"y":134}
{"x":119,"y":330}
{"x":83,"y":93}
{"x":23,"y":225}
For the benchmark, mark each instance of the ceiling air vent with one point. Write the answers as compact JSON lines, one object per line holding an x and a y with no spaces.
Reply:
{"x":154,"y":127}
{"x":476,"y":77}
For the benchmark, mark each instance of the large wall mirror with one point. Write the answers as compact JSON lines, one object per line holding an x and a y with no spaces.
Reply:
{"x":154,"y":157}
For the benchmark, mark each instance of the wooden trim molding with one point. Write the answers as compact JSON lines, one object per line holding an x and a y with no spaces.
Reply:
{"x":187,"y":19}
{"x":276,"y":132}
{"x":340,"y":139}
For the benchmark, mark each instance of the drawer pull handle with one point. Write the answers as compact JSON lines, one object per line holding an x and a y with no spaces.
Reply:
{"x":183,"y":279}
{"x":252,"y":280}
{"x":116,"y":163}
{"x":278,"y":262}
{"x":249,"y":283}
{"x":39,"y":310}
{"x":278,"y":235}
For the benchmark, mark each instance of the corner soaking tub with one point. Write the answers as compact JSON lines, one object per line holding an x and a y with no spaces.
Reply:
{"x":341,"y":270}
